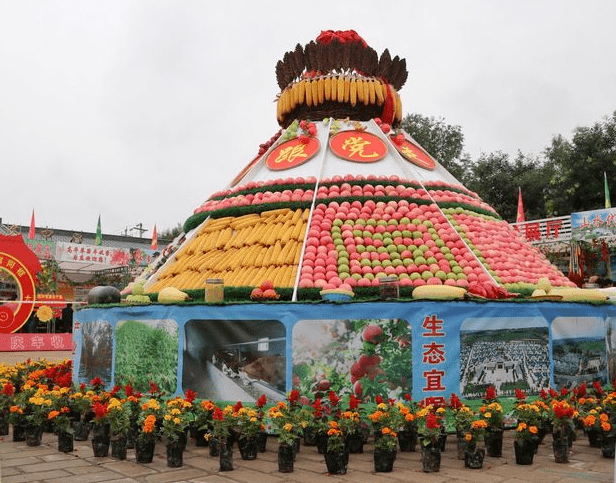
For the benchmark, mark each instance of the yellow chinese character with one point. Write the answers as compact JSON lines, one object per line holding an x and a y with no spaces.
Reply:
{"x":406,"y":150}
{"x":291,"y":153}
{"x":356,"y":145}
{"x":21,"y":272}
{"x":10,"y":263}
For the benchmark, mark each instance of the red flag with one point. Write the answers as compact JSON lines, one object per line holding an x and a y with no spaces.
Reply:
{"x":32,"y":232}
{"x":154,"y":245}
{"x":520,"y":216}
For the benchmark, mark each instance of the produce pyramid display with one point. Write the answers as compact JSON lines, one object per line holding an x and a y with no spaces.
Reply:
{"x":341,"y":197}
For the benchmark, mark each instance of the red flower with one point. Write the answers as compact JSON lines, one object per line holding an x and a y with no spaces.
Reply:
{"x":238,"y":406}
{"x":82,"y":387}
{"x":455,"y":402}
{"x":153,"y":387}
{"x":190,"y":395}
{"x":520,"y":394}
{"x":100,"y":410}
{"x":218,"y":415}
{"x":543,"y":394}
{"x":114,"y":390}
{"x":378,"y":399}
{"x":407,"y":396}
{"x":490,"y":393}
{"x":128,"y":389}
{"x":333,"y":398}
{"x":564,"y":391}
{"x":432,"y":421}
{"x":353,"y":402}
{"x":581,"y":390}
{"x":293,"y":396}
{"x":553,"y":393}
{"x":96,"y":383}
{"x":261,"y":401}
{"x":597,"y":387}
{"x":317,"y":404}
{"x":8,"y":389}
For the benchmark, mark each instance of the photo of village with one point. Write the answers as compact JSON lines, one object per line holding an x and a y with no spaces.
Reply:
{"x":579,"y":351}
{"x":506,"y":353}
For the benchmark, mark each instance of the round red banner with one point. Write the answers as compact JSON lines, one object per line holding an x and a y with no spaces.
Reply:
{"x":292,"y":153}
{"x":413,"y":153}
{"x":358,"y":146}
{"x":14,"y":314}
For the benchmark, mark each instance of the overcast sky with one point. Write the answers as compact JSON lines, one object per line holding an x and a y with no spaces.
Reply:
{"x":139,"y":110}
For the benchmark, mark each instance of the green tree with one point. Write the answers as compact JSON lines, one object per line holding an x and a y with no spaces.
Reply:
{"x":576,"y":183}
{"x":444,"y":142}
{"x":170,"y":233}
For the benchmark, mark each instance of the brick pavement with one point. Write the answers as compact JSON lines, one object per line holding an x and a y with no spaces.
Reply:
{"x":45,"y":464}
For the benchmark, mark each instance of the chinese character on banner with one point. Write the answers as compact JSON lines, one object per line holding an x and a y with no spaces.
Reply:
{"x":434,"y":380}
{"x":358,"y":146}
{"x":17,"y":343}
{"x":292,"y":153}
{"x":433,"y":353}
{"x":553,"y":226}
{"x":37,"y":342}
{"x":57,"y":342}
{"x":413,"y":153}
{"x":433,"y":327}
{"x":532,"y":231}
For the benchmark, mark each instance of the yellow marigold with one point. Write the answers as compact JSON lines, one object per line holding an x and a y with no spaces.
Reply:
{"x":53,"y":414}
{"x":149,"y":423}
{"x":252,"y":413}
{"x":479,"y":424}
{"x":167,"y":417}
{"x":17,"y":409}
{"x":381,"y":406}
{"x":409,"y":417}
{"x":281,"y":404}
{"x":590,"y":420}
{"x":333,"y":431}
{"x":605,"y":426}
{"x":386,"y":430}
{"x":521,"y":427}
{"x":44,"y":313}
{"x":440,"y":410}
{"x":468,"y":437}
{"x":207,"y":405}
{"x":333,"y":424}
{"x":487,"y":415}
{"x":288,"y":427}
{"x":114,"y":403}
{"x":603,"y":417}
{"x":533,"y":429}
{"x":176,"y":420}
{"x":176,"y":411}
{"x":422,"y":413}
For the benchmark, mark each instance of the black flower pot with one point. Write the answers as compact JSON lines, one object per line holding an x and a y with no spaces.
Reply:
{"x":175,"y":454}
{"x":214,"y":447}
{"x":607,"y":447}
{"x":285,"y":458}
{"x":144,"y":450}
{"x":337,"y":462}
{"x":594,"y":437}
{"x":19,"y":432}
{"x":33,"y":435}
{"x":407,"y":440}
{"x":4,"y":426}
{"x":119,"y":445}
{"x":101,"y":439}
{"x":321,"y":441}
{"x":384,"y":460}
{"x":262,"y":441}
{"x":431,"y":458}
{"x":65,"y":441}
{"x":560,"y":445}
{"x":494,"y":443}
{"x":199,"y":435}
{"x":131,"y":435}
{"x":524,"y":452}
{"x":473,"y":459}
{"x":226,"y":457}
{"x":81,"y":430}
{"x":310,"y":436}
{"x":248,"y":447}
{"x":355,"y":443}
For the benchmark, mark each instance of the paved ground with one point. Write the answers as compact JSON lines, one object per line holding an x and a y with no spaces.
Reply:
{"x":45,"y":464}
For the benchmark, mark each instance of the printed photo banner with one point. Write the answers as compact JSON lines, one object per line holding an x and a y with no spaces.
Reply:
{"x":428,"y":349}
{"x":589,"y":225}
{"x":101,"y":255}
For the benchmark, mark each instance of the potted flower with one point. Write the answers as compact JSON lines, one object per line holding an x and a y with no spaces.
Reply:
{"x":473,"y":456}
{"x":222,"y":422}
{"x":36,"y":409}
{"x":492,"y":412}
{"x":463,"y":419}
{"x":118,"y":417}
{"x":145,"y":442}
{"x":286,"y":451}
{"x":592,"y":427}
{"x":101,"y":432}
{"x":350,"y":424}
{"x":250,"y":426}
{"x":6,"y":401}
{"x":407,"y":433}
{"x":336,"y":455}
{"x":60,"y":417}
{"x":80,"y":402}
{"x":174,"y":427}
{"x":385,"y":450}
{"x":562,"y":417}
{"x":429,"y":432}
{"x":260,"y":404}
{"x":525,"y":442}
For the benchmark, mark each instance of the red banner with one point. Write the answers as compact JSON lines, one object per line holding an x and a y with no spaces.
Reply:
{"x":292,"y":153}
{"x":358,"y":146}
{"x":414,"y":154}
{"x":36,"y":342}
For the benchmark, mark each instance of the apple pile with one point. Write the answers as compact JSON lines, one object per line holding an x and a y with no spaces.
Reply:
{"x":265,"y":291}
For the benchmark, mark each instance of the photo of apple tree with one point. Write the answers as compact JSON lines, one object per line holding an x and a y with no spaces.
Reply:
{"x":147,"y":351}
{"x":367,"y":357}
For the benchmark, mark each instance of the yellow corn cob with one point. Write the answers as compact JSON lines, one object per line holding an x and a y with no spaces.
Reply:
{"x":366,"y":86}
{"x":224,"y":237}
{"x":276,"y":212}
{"x":276,"y":252}
{"x":340,"y":89}
{"x":296,"y":217}
{"x":244,"y":220}
{"x":398,"y":112}
{"x":327,"y":88}
{"x":286,"y":231}
{"x":320,"y":90}
{"x":295,"y":94}
{"x":384,"y":90}
{"x":360,"y":90}
{"x":306,"y":214}
{"x":334,"y":87}
{"x":309,"y":101}
{"x":372,"y":91}
{"x":267,"y":258}
{"x":315,"y":91}
{"x":380,"y":99}
{"x":347,"y":89}
{"x":301,"y":91}
{"x":297,"y":230}
{"x":279,"y":109}
{"x":353,"y":92}
{"x":438,"y":292}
